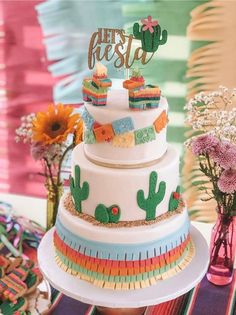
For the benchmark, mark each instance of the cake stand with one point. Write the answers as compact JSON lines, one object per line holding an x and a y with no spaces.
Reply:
{"x":124,"y":302}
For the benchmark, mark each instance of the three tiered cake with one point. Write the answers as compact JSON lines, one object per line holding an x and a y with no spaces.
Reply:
{"x":123,"y":225}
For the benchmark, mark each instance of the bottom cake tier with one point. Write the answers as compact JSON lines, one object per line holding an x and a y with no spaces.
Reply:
{"x":122,"y":258}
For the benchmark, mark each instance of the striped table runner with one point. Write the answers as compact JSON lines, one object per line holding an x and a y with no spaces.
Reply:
{"x":205,"y":299}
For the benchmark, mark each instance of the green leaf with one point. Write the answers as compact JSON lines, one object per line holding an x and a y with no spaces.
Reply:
{"x":203,"y":188}
{"x":207,"y":199}
{"x":200,"y":182}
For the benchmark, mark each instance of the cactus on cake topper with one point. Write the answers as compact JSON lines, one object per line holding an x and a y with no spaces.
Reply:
{"x":154,"y":198}
{"x":174,"y":199}
{"x":79,"y":193}
{"x":150,"y":34}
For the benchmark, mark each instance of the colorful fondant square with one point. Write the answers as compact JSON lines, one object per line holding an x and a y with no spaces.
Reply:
{"x":104,"y":133}
{"x":87,"y":118}
{"x":124,"y":141}
{"x":89,"y":137}
{"x":161,"y":122}
{"x":122,"y":125}
{"x":144,"y":135}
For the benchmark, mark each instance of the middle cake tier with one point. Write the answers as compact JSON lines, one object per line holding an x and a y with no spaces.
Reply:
{"x":127,"y":194}
{"x":117,"y":135}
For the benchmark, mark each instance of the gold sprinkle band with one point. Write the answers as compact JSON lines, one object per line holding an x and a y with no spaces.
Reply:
{"x":69,"y":206}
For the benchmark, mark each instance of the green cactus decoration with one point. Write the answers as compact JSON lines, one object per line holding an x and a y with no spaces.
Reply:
{"x":150,"y":41}
{"x":79,"y":193}
{"x":174,"y":199}
{"x":154,"y":198}
{"x":101,"y":214}
{"x":107,"y":215}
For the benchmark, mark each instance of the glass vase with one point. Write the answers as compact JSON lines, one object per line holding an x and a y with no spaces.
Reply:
{"x":54,"y":193}
{"x":222,"y":250}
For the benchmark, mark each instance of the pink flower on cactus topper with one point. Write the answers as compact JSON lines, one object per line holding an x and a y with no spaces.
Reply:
{"x":148,"y":24}
{"x":227,"y":181}
{"x":204,"y":144}
{"x":224,"y":155}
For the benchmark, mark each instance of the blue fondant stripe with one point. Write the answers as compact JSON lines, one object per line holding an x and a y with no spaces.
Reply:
{"x":122,"y":251}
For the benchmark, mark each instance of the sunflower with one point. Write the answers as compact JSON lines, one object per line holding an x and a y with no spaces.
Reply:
{"x":79,"y":132}
{"x":54,"y":125}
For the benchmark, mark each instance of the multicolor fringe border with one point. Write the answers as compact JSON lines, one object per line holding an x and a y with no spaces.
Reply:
{"x":122,"y":266}
{"x":123,"y":275}
{"x":121,"y":132}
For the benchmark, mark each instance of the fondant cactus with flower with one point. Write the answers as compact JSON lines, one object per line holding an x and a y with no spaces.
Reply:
{"x":79,"y":193}
{"x":174,"y":199}
{"x":153,"y":199}
{"x":150,"y":34}
{"x":107,"y":215}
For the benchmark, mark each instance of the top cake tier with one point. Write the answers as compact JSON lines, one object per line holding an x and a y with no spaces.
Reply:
{"x":117,"y":135}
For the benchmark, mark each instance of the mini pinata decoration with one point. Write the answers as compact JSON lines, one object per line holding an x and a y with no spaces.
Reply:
{"x":141,"y":96}
{"x":150,"y":34}
{"x":95,"y":88}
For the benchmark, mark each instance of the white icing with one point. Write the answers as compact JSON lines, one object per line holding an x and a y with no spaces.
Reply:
{"x":111,"y":186}
{"x":117,"y":107}
{"x":125,"y":235}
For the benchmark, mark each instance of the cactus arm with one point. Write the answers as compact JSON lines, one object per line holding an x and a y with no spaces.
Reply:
{"x":152,"y":183}
{"x":79,"y":193}
{"x":161,"y":191}
{"x":159,"y":37}
{"x":77,"y":175}
{"x":85,"y":190}
{"x":141,"y":200}
{"x":137,"y":33}
{"x":163,"y":39}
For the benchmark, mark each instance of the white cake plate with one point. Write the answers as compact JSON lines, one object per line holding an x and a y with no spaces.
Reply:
{"x":162,"y":291}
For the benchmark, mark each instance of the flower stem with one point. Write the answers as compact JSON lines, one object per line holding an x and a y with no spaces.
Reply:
{"x":70,"y":147}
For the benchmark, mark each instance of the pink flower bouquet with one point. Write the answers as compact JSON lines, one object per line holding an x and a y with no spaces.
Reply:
{"x":217,"y":160}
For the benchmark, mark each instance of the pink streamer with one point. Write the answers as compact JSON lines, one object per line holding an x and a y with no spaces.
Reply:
{"x":28,"y":88}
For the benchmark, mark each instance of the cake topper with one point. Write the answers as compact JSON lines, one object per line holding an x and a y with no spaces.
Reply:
{"x":114,"y":44}
{"x":150,"y":34}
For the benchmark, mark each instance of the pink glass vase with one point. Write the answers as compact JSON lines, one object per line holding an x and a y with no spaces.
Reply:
{"x":222,"y":250}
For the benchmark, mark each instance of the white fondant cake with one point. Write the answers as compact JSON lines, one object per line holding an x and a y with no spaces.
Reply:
{"x":117,"y":108}
{"x":123,"y":226}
